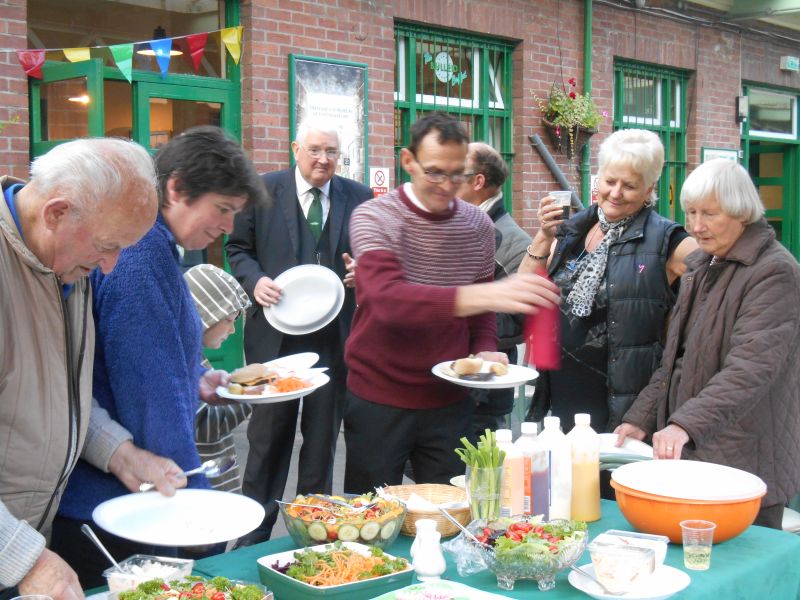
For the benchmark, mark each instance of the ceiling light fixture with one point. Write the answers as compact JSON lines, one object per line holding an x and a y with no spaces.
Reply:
{"x":159,"y":33}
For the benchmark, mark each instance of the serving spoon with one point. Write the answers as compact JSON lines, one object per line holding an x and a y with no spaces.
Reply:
{"x":597,"y":581}
{"x":87,"y":531}
{"x":210,"y":468}
{"x":463,"y":529}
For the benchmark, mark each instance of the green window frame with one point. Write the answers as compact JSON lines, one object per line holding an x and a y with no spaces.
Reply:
{"x":654,"y":98}
{"x":466,"y":75}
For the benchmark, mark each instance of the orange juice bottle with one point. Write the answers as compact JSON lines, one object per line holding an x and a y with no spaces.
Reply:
{"x":585,"y":444}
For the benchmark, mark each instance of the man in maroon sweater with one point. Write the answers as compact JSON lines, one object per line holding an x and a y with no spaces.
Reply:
{"x":425,"y":294}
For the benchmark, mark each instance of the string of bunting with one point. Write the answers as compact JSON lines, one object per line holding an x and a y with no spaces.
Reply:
{"x":193,"y":47}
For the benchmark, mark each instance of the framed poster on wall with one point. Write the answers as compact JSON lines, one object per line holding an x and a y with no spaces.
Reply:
{"x":337,"y":91}
{"x":710,"y":153}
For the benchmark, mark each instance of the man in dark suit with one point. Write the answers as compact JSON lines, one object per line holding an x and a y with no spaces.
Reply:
{"x":307,"y":223}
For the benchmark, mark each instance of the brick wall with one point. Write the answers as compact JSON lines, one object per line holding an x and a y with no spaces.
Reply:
{"x":549,"y":37}
{"x":14,"y":146}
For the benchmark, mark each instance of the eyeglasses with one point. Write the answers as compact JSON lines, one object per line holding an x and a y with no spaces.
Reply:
{"x":439,"y":177}
{"x":318,"y":152}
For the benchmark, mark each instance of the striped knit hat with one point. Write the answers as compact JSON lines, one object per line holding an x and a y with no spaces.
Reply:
{"x":216,"y":294}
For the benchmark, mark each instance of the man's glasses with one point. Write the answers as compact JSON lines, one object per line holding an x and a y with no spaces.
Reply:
{"x":439,"y":177}
{"x":318,"y":152}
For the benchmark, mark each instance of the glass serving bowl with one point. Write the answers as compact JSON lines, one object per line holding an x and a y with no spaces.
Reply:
{"x":525,"y":561}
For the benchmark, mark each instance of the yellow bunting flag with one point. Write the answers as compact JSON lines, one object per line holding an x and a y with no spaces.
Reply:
{"x":232,"y":38}
{"x":77,"y":54}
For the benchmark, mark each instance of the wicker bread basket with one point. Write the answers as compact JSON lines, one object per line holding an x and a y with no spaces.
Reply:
{"x":436,"y":493}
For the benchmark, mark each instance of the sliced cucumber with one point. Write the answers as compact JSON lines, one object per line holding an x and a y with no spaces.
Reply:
{"x":348,"y":533}
{"x":370,"y":530}
{"x":318,"y":531}
{"x":388,"y":529}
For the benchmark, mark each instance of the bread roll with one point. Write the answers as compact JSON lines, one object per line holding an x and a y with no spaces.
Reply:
{"x":467,"y":366}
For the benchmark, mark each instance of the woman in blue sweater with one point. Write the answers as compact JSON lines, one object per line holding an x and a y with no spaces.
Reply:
{"x":147,"y":369}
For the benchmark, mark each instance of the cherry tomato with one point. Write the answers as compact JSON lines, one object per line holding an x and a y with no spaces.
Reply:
{"x":165,"y":587}
{"x":218,"y":596}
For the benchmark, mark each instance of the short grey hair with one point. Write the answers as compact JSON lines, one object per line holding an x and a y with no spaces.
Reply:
{"x":93,"y":171}
{"x":318,"y":124}
{"x":636,"y":149}
{"x":728,"y":182}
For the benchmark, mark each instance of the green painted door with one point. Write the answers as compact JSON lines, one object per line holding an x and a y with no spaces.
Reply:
{"x":771,"y":165}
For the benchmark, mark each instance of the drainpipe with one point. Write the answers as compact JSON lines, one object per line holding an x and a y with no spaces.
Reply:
{"x":585,"y":168}
{"x":557,"y":173}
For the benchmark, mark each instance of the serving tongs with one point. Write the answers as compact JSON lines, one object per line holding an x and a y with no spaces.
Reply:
{"x":463,"y":529}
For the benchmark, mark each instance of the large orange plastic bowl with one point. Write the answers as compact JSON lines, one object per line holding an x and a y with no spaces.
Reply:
{"x":728,"y":497}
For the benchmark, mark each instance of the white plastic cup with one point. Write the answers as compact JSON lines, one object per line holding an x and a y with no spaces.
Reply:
{"x":564,"y":200}
{"x":698,"y":537}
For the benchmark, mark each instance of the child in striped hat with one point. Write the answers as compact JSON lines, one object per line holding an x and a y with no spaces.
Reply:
{"x":220,"y":301}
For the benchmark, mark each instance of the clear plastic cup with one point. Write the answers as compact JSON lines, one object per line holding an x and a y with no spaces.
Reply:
{"x":698,"y":537}
{"x":564,"y":200}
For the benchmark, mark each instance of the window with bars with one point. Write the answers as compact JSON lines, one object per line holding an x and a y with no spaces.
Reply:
{"x":468,"y":76}
{"x":654,"y":98}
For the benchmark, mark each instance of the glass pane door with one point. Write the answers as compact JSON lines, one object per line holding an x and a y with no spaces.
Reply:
{"x":769,"y":167}
{"x":67,"y":103}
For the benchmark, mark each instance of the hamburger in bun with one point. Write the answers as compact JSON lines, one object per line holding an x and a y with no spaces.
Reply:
{"x":251,"y":379}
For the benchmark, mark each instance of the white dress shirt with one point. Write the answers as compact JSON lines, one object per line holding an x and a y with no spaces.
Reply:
{"x":305,"y":197}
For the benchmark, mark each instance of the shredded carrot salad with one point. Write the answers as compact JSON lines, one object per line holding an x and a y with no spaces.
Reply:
{"x":288,"y":384}
{"x":340,"y":565}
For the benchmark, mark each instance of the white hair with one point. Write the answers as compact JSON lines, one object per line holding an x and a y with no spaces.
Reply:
{"x":317,"y":124}
{"x":94,"y":171}
{"x":636,"y":149}
{"x":728,"y":182}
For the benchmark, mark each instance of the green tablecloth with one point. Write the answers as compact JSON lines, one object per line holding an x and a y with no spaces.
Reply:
{"x":762,"y":564}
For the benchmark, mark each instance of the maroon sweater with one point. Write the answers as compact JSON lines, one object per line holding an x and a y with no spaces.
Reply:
{"x":410,"y":263}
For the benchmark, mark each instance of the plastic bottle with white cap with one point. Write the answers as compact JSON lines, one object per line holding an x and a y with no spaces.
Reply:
{"x":537,"y":471}
{"x":585,"y":445}
{"x":512,"y":494}
{"x":559,"y":455}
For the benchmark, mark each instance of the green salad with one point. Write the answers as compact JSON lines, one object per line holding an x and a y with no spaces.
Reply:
{"x":193,"y":588}
{"x":528,"y":539}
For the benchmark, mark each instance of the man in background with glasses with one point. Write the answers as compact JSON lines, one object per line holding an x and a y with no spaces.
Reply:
{"x":306,"y":224}
{"x":425,"y":294}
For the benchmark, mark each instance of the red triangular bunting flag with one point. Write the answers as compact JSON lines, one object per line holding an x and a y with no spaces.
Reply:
{"x":31,"y":61}
{"x":196,"y":44}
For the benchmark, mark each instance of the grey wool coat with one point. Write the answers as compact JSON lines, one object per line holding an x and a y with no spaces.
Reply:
{"x":738,"y":396}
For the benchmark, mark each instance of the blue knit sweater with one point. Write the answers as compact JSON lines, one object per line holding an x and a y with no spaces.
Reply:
{"x":147,"y":363}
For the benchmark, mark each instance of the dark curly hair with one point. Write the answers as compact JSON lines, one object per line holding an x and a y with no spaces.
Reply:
{"x":450,"y":130}
{"x":206,"y":160}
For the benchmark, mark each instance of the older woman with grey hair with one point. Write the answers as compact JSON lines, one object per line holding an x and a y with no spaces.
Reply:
{"x":728,"y":388}
{"x":616,"y":263}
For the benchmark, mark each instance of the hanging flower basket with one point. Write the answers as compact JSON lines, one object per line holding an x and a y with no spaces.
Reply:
{"x":568,"y":140}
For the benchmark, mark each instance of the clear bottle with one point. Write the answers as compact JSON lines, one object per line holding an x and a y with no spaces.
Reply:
{"x":512,"y":496}
{"x":537,"y":472}
{"x":559,"y":455}
{"x":585,"y":445}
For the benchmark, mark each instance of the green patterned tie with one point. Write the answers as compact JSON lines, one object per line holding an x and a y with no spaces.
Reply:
{"x":314,"y":216}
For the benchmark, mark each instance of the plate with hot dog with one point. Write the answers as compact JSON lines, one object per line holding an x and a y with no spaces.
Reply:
{"x":279,"y":380}
{"x":475,"y":372}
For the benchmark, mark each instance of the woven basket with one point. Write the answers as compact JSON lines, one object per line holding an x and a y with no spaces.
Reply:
{"x":436,"y":493}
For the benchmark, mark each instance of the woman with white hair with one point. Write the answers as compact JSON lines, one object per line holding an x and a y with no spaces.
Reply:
{"x":728,"y":388}
{"x":616,"y":263}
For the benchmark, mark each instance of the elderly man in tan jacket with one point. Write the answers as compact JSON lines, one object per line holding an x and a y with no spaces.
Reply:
{"x":86,"y":201}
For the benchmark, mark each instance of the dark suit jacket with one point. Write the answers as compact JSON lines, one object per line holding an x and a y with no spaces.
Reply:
{"x":264,"y":242}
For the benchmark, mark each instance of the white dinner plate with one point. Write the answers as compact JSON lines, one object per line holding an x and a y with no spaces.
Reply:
{"x":295,"y":362}
{"x":629,"y":447}
{"x":517,"y":375}
{"x":191,"y":517}
{"x":312,"y":296}
{"x":316,"y":376}
{"x":460,"y":481}
{"x":664,"y":582}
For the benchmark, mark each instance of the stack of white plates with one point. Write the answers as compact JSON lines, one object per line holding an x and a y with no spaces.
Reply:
{"x":312,"y":297}
{"x":632,"y":450}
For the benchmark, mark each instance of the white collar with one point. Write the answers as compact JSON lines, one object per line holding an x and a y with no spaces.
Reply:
{"x":409,"y":190}
{"x":487,"y":204}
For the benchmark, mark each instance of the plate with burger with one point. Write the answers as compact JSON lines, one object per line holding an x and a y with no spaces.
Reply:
{"x":475,"y":372}
{"x":276,"y":381}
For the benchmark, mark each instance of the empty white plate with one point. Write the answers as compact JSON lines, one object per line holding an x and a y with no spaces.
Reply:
{"x":665,"y":582}
{"x":192,"y":517}
{"x":312,"y":297}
